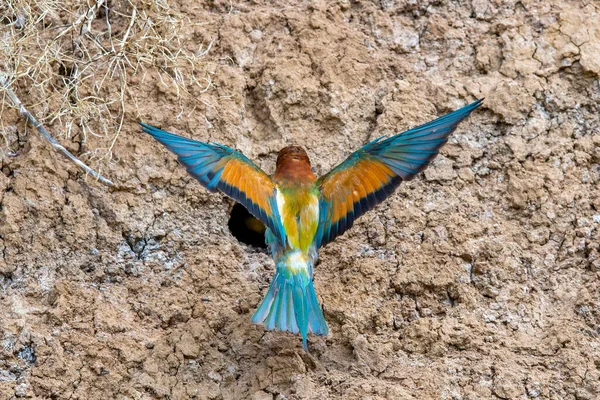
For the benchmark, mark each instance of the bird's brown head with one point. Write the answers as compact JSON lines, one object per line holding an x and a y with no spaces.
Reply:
{"x":293,"y":163}
{"x":292,"y":153}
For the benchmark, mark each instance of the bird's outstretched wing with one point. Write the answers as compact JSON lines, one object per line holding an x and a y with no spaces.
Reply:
{"x":219,"y":167}
{"x":369,"y":175}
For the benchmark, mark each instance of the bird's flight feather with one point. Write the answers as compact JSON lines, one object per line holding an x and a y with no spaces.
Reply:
{"x":219,"y":167}
{"x":369,"y":175}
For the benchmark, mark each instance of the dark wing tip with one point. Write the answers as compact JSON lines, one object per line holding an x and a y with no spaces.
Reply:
{"x":468,"y":108}
{"x":149,"y":129}
{"x":472,"y":106}
{"x":478,"y":102}
{"x":145,"y":125}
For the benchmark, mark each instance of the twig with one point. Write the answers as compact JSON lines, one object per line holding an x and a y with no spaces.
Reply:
{"x":128,"y":31}
{"x":42,"y":131}
{"x":88,"y":15}
{"x":205,"y":52}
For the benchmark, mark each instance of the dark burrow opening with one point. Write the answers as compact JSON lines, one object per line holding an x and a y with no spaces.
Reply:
{"x":246,"y":228}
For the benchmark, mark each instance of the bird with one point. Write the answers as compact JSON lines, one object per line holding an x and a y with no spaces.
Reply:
{"x":303,"y":213}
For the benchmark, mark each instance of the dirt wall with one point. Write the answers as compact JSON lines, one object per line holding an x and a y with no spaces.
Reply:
{"x":477,"y":280}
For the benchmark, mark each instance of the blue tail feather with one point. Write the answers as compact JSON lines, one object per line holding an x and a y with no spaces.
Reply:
{"x":301,"y":311}
{"x":315,"y":314}
{"x":291,"y":305}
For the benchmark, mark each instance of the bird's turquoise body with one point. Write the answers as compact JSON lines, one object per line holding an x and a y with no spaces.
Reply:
{"x":291,"y":302}
{"x":303,"y":213}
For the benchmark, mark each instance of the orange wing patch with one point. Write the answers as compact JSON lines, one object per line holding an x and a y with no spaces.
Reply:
{"x":242,"y":182}
{"x":348,"y":187}
{"x":350,"y":192}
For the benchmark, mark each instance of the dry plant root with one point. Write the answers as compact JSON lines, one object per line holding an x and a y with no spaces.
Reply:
{"x":78,"y":58}
{"x":45,"y":134}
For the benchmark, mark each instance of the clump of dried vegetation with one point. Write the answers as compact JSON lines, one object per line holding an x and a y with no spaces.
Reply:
{"x":71,"y":62}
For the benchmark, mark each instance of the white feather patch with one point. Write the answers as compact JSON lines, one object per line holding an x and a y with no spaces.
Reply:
{"x":280,"y":202}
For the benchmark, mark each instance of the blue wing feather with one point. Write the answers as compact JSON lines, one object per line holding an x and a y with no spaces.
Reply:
{"x":207,"y":161}
{"x":409,"y":153}
{"x":405,"y":155}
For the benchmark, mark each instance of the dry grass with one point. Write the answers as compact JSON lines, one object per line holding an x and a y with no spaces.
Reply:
{"x":73,"y":62}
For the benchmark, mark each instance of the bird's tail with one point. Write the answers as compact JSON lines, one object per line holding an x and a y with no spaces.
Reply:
{"x":291,"y":304}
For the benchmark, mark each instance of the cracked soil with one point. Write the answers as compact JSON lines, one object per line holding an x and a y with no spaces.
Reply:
{"x":480,"y":279}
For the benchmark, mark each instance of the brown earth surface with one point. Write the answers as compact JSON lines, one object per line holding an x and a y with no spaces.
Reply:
{"x":477,"y":280}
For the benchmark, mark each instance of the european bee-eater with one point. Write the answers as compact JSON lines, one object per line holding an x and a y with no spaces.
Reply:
{"x":303,"y":213}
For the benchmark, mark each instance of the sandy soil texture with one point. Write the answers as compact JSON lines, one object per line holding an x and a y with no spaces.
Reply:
{"x":480,"y":279}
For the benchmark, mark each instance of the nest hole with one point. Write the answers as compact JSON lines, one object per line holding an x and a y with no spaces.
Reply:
{"x":246,"y":228}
